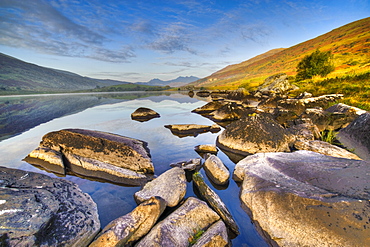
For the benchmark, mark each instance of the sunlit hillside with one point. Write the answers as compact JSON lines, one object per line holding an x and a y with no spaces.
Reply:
{"x":350,"y":45}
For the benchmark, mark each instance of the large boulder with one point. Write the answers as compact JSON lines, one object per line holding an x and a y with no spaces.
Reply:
{"x":94,"y":154}
{"x":231,"y":111}
{"x":307,"y":199}
{"x":357,"y":136}
{"x":127,"y":229}
{"x":179,"y":228}
{"x":276,"y":84}
{"x":142,"y":114}
{"x":324,"y":148}
{"x":170,"y":185}
{"x":254,"y":134}
{"x":37,"y":210}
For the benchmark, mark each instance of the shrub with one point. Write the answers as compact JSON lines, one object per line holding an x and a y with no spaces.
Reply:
{"x":317,"y":63}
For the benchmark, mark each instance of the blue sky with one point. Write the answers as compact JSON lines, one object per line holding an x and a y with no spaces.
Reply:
{"x":136,"y":40}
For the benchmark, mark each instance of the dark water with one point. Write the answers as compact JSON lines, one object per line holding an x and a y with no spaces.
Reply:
{"x":24,"y":120}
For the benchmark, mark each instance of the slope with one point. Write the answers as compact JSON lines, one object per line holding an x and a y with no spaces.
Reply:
{"x":350,"y":45}
{"x":17,"y":75}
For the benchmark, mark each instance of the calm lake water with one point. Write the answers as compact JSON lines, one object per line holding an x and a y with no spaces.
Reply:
{"x":24,"y":120}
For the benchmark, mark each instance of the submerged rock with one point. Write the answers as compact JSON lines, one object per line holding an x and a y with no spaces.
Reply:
{"x":127,"y":229}
{"x":179,"y":227}
{"x":170,"y":185}
{"x":144,"y":114}
{"x":307,"y":199}
{"x":254,"y":134}
{"x":94,"y":154}
{"x":37,"y":210}
{"x":215,"y":202}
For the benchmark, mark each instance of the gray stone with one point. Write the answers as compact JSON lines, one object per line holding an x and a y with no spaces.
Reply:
{"x":324,"y":148}
{"x":191,"y":165}
{"x":254,"y":134}
{"x":305,"y":130}
{"x":170,"y":185}
{"x":94,"y":154}
{"x":215,"y":202}
{"x":357,"y":136}
{"x":179,"y":228}
{"x":37,"y":210}
{"x":144,"y":114}
{"x":129,"y":228}
{"x":215,"y":236}
{"x":216,"y":170}
{"x":307,"y":199}
{"x":276,"y":84}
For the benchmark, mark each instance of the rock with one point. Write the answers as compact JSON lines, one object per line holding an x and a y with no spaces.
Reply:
{"x":127,"y":229}
{"x":324,"y":148}
{"x":307,"y":199}
{"x":231,"y":111}
{"x":304,"y":95}
{"x":343,"y":108}
{"x":238,"y":94}
{"x":179,"y":228}
{"x":215,"y":202}
{"x":37,"y":210}
{"x":203,"y":93}
{"x":254,"y":134}
{"x":206,"y":148}
{"x":284,"y":116}
{"x":343,"y":115}
{"x":170,"y":185}
{"x":144,"y":114}
{"x":191,"y":93}
{"x":216,"y":235}
{"x":276,"y":84}
{"x":191,"y":165}
{"x":209,"y":107}
{"x":182,"y":130}
{"x":216,"y":170}
{"x":357,"y":136}
{"x":304,"y":129}
{"x":95,"y":154}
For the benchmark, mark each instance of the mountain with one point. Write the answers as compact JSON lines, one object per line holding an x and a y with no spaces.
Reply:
{"x":178,"y":82}
{"x":350,"y":45}
{"x":19,"y":76}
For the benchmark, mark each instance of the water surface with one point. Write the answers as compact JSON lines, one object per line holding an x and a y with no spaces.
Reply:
{"x":35,"y":116}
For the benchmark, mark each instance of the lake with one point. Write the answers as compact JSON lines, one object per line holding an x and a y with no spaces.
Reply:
{"x":25,"y":119}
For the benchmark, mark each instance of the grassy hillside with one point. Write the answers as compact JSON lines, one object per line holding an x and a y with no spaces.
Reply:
{"x":350,"y":46}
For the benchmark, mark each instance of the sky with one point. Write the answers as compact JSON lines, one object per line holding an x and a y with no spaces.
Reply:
{"x":135,"y":40}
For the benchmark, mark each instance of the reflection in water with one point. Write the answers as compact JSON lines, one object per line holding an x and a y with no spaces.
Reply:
{"x":112,"y":114}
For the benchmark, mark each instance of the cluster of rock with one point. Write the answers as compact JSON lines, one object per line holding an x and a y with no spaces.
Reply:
{"x":299,"y":190}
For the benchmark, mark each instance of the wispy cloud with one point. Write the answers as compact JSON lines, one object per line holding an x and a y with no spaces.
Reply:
{"x":39,"y":26}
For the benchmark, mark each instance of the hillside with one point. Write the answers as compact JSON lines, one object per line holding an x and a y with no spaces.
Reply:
{"x":350,"y":45}
{"x":19,"y":76}
{"x":178,"y":82}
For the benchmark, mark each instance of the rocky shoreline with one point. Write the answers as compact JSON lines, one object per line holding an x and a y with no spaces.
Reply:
{"x":299,"y":190}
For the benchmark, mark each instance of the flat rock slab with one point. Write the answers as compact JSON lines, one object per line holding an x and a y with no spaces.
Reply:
{"x":183,"y":130}
{"x":170,"y":185}
{"x":127,"y":229}
{"x":307,"y":199}
{"x":325,"y":148}
{"x":180,"y":227}
{"x":259,"y":133}
{"x":143,"y":114}
{"x":94,"y":154}
{"x":37,"y":210}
